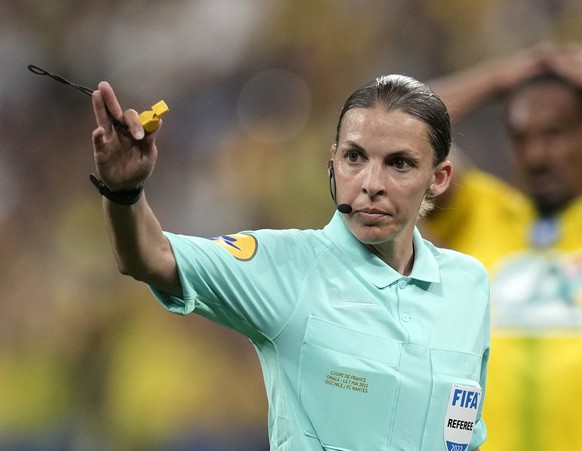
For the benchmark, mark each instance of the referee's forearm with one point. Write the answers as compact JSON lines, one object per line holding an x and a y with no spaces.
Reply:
{"x":141,"y":250}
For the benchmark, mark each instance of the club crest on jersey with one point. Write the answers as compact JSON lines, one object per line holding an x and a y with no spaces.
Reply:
{"x":243,"y":247}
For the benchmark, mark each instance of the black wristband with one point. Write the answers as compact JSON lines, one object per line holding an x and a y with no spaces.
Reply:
{"x":124,"y":197}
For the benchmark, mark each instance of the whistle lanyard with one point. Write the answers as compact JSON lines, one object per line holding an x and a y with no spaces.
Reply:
{"x":87,"y":91}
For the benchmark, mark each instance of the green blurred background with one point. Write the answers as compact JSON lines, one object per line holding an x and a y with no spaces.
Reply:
{"x":88,"y":360}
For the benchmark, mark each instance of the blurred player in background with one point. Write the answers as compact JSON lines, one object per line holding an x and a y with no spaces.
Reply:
{"x":530,"y":239}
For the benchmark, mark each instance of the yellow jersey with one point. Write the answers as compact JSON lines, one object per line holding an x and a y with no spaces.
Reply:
{"x":535,"y":371}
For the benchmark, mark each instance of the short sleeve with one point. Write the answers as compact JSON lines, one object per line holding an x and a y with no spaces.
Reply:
{"x":247,"y":281}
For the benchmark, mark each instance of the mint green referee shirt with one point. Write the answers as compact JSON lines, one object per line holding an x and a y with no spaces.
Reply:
{"x":355,"y":356}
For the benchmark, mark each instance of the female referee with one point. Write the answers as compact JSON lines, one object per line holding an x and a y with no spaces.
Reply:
{"x":369,"y":337}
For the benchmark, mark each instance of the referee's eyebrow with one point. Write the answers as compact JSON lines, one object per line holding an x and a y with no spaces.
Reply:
{"x":353,"y":146}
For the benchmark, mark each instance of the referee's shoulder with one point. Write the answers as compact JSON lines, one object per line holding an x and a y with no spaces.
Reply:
{"x":302,"y":240}
{"x":464,"y":263}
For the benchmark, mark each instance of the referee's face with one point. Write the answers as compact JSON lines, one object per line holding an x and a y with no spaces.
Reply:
{"x":384,"y":168}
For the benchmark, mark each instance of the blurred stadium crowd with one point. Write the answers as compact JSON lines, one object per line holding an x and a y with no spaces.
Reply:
{"x":88,"y":360}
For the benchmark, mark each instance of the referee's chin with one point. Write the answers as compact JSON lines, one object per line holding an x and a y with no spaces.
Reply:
{"x":376,"y":234}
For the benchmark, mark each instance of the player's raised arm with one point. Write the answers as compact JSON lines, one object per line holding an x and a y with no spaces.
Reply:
{"x":466,"y":90}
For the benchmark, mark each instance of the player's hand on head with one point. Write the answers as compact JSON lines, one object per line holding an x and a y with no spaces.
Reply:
{"x":566,"y":60}
{"x":509,"y":72}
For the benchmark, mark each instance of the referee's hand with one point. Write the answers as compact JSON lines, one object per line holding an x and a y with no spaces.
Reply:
{"x":125,"y":155}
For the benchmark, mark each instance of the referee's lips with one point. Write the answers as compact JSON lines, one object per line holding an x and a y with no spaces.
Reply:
{"x":370,"y":214}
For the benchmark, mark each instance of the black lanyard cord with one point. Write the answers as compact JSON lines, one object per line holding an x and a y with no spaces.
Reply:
{"x":88,"y":91}
{"x":39,"y":71}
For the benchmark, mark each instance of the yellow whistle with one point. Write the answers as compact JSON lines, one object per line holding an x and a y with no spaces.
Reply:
{"x":151,"y":119}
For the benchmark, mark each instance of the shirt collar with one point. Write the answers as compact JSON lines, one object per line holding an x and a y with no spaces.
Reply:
{"x":374,"y":269}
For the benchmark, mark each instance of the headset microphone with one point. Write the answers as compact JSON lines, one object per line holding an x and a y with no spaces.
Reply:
{"x":344,"y":208}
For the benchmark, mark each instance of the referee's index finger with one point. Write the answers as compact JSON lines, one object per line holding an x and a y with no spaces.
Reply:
{"x":100,"y":111}
{"x":109,"y":100}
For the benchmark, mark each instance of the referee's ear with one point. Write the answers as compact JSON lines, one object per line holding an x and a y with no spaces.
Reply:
{"x":333,"y":150}
{"x":441,"y":179}
{"x":330,"y":162}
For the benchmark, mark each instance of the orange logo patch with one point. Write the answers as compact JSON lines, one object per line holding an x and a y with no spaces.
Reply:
{"x":242,"y":246}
